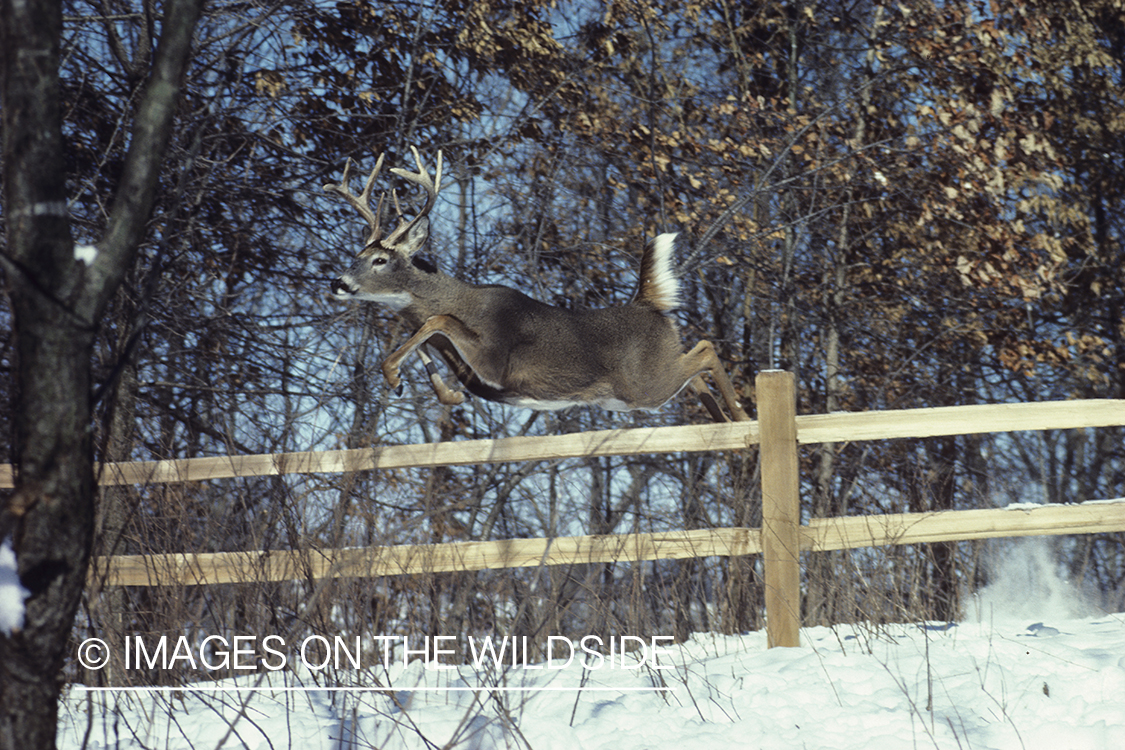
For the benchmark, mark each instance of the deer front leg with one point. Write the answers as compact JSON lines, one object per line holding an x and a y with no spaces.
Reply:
{"x":444,"y":393}
{"x":445,"y":325}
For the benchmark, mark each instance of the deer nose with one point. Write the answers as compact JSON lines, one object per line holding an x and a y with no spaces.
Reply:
{"x":341,"y":288}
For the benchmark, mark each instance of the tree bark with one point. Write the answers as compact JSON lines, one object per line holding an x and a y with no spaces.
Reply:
{"x":49,"y":518}
{"x":57,"y":300}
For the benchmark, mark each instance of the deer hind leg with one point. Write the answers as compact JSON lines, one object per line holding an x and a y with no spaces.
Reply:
{"x":452,"y":329}
{"x":699,"y":386}
{"x":702,"y":358}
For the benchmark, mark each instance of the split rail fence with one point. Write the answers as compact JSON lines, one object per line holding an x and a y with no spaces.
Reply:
{"x":780,"y":540}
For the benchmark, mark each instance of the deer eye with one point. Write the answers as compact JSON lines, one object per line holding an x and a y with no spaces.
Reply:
{"x":379,"y":261}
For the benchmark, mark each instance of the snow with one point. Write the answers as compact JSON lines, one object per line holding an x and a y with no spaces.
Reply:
{"x":980,"y":685}
{"x":1031,"y":666}
{"x":86,"y":253}
{"x":12,"y":594}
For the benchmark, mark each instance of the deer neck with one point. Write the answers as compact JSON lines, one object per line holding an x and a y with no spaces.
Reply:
{"x":434,"y":293}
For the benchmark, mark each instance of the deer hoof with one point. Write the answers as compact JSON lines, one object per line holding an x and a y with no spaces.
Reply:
{"x":393,"y":380}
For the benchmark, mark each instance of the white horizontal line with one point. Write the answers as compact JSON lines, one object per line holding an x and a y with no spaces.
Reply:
{"x":166,"y":689}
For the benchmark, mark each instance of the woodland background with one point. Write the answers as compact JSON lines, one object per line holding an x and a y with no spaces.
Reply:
{"x":936,"y":218}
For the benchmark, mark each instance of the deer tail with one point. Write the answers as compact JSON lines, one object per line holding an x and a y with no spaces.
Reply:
{"x":659,"y":286}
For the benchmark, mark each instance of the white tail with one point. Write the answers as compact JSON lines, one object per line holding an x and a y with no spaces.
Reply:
{"x":505,"y":346}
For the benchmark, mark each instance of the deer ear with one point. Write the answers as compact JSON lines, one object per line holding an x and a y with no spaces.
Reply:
{"x":415,"y":237}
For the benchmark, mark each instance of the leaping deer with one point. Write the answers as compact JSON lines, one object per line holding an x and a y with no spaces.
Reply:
{"x":505,"y":346}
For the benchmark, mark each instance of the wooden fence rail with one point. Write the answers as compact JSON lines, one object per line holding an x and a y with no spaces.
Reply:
{"x":814,"y":428}
{"x":820,"y":535}
{"x":780,"y":540}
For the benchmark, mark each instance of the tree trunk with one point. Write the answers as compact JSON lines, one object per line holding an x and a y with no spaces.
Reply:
{"x":57,"y":300}
{"x":49,"y":518}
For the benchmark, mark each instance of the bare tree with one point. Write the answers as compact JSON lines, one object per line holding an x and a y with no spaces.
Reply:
{"x":57,"y":295}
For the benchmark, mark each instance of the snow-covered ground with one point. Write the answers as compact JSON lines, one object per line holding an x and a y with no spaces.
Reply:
{"x":1031,"y":667}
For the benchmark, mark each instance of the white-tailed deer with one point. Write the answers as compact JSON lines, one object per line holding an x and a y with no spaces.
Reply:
{"x":505,"y":346}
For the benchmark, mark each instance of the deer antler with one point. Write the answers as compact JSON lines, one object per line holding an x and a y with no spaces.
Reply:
{"x":361,"y":202}
{"x":422,"y":179}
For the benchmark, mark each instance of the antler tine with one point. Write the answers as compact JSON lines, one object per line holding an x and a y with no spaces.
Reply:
{"x":362,"y":202}
{"x":422,"y":178}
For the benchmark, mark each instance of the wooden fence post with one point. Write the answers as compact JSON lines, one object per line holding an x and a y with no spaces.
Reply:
{"x":781,"y":506}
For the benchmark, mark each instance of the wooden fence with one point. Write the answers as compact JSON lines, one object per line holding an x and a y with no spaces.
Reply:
{"x":781,"y":538}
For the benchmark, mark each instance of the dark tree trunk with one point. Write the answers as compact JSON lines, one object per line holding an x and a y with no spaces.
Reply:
{"x":57,"y":301}
{"x":49,"y":519}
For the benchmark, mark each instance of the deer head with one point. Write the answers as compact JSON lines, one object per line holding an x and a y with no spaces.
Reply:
{"x":383,"y":270}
